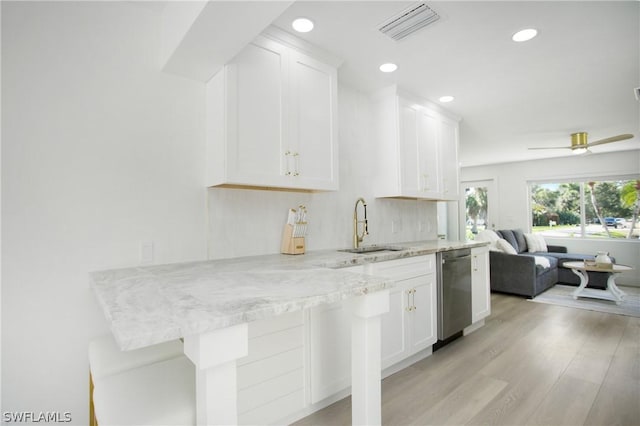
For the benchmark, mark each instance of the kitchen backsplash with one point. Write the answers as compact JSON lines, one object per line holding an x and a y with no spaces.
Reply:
{"x":249,"y":222}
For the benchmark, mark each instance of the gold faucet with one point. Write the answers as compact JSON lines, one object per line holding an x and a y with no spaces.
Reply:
{"x":357,"y":238}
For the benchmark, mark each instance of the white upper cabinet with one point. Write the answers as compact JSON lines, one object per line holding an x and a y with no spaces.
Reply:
{"x":272,"y":120}
{"x":313,"y":126}
{"x":449,"y":159}
{"x":417,"y":148}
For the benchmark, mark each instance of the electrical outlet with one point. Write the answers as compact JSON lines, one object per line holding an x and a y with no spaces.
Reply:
{"x":146,"y":252}
{"x":396,"y":226}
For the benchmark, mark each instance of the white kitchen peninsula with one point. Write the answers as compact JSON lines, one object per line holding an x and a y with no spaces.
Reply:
{"x":210,"y":303}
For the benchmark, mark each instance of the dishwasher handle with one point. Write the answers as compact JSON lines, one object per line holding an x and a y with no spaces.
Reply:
{"x":468,"y":256}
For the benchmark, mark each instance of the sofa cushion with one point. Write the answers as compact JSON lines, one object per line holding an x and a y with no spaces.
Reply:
{"x":521,"y":240}
{"x":543,"y":262}
{"x":508,"y":235}
{"x":536,"y":243}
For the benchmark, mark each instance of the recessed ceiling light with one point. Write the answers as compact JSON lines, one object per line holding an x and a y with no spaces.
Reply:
{"x":389,"y":67}
{"x":525,"y":35}
{"x":302,"y":25}
{"x":446,"y":98}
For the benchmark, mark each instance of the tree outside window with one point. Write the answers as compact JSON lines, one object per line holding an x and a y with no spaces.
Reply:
{"x":587,"y":209}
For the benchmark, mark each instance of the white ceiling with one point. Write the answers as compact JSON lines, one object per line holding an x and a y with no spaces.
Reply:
{"x":577,"y":75}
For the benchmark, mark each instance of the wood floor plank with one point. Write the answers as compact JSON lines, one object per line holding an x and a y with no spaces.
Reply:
{"x":518,"y":402}
{"x":567,"y":403}
{"x":615,"y":405}
{"x":464,"y":402}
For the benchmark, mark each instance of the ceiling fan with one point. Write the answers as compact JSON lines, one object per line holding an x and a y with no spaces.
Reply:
{"x":579,"y":144}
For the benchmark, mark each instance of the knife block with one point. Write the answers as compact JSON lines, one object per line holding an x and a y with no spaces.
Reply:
{"x":291,"y":244}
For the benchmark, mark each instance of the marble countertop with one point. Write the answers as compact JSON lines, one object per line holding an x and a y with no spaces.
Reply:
{"x":153,"y":304}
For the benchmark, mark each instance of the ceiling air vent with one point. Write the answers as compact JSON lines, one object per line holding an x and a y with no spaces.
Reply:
{"x":408,"y":21}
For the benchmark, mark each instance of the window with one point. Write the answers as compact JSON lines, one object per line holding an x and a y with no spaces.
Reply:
{"x":586,"y":208}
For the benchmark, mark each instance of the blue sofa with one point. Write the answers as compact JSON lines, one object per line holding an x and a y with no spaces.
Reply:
{"x":520,"y":273}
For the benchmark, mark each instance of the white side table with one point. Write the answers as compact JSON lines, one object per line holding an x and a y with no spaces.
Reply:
{"x":612,"y":292}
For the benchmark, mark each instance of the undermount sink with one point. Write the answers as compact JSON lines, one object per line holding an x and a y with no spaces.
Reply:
{"x":371,"y":249}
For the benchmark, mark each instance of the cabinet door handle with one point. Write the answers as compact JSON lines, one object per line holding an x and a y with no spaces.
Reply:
{"x":296,"y":165}
{"x":287,"y":153}
{"x":409,"y":307}
{"x":413,"y":299}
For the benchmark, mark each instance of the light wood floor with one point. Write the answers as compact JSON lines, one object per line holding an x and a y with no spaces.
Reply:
{"x":531,"y":364}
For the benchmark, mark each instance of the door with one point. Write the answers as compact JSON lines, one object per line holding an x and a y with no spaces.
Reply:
{"x":448,"y":151}
{"x":409,"y":163}
{"x":256,"y":91}
{"x":480,"y":280}
{"x":428,"y":154}
{"x":312,"y":137}
{"x":393,"y":325}
{"x":423,"y":324}
{"x":480,"y":210}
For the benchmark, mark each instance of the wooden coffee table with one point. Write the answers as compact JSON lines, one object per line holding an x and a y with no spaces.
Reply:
{"x":612,"y":292}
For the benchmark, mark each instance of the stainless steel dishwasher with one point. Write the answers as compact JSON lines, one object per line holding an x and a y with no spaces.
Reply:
{"x":454,"y":293}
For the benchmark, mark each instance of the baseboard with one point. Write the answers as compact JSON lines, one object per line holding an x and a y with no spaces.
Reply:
{"x":310,"y":409}
{"x":407,"y":362}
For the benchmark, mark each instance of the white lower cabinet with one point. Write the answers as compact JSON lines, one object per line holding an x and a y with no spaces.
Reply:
{"x":480,"y":281}
{"x":410,"y":325}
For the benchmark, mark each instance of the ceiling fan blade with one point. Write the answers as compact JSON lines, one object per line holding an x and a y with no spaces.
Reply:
{"x":611,"y":139}
{"x":552,"y":147}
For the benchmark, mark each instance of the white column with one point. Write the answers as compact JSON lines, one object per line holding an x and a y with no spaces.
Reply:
{"x":366,"y":393}
{"x":214,"y":355}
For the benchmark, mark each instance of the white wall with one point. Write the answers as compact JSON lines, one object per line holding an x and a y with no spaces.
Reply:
{"x":100,"y":152}
{"x":513,"y":202}
{"x":244,"y":222}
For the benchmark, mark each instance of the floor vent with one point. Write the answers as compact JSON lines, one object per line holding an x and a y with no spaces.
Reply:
{"x":408,"y":21}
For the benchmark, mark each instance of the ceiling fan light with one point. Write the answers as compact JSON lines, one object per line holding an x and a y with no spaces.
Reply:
{"x":578,"y":151}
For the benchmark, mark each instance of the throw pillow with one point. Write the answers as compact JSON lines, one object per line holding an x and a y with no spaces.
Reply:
{"x":536,"y":243}
{"x":504,"y":246}
{"x":489,"y":236}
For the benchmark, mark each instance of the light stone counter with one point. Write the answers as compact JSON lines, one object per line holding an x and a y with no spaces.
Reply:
{"x":209,"y":303}
{"x":154,"y":304}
